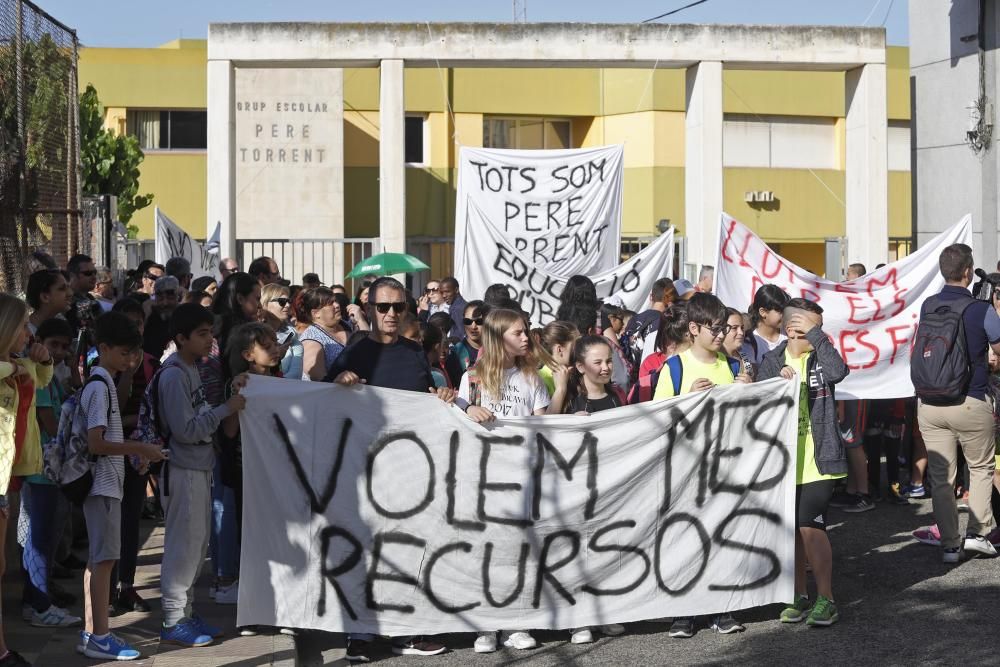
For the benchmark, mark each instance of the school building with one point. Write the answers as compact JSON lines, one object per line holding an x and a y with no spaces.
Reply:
{"x":785,"y":134}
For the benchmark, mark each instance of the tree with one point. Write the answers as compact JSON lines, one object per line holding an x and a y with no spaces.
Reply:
{"x":110,"y":162}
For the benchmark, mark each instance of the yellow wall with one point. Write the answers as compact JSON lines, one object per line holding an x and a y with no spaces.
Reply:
{"x":170,"y":77}
{"x":179,"y":183}
{"x":809,"y":207}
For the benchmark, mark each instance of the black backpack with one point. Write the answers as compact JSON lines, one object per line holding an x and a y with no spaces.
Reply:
{"x":939,"y":363}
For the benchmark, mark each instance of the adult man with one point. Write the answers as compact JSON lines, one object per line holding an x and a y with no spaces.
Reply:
{"x":180,"y":268}
{"x":640,"y":335}
{"x":150,"y":274}
{"x":386,"y":359}
{"x":156,"y":334}
{"x":946,"y":422}
{"x":265,"y":271}
{"x":705,"y":279}
{"x":855,"y":271}
{"x":228,"y":267}
{"x":456,"y":305}
{"x":83,"y":279}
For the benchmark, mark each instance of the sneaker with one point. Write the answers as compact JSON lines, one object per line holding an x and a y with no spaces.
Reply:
{"x":862,"y":503}
{"x":823,"y":614}
{"x":895,"y":494}
{"x":54,"y":617}
{"x":14,"y":659}
{"x":797,"y":611}
{"x":977,"y":545}
{"x":358,"y":650}
{"x":127,"y":600}
{"x":81,"y":644}
{"x":486,"y":642}
{"x":613,"y":630}
{"x":205,"y":628}
{"x":418,"y":646}
{"x":288,"y":632}
{"x":914,"y":491}
{"x":951,"y":555}
{"x":581,"y":636}
{"x":928,"y":535}
{"x":682,"y":628}
{"x":725,"y":624}
{"x":249,"y":630}
{"x":522,"y":641}
{"x":185,"y":633}
{"x":228,"y":594}
{"x":109,"y":647}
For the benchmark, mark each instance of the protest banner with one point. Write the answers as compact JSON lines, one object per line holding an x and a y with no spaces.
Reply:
{"x":374,"y":510}
{"x":172,"y":241}
{"x":538,"y":290}
{"x":560,"y":208}
{"x":871,"y":320}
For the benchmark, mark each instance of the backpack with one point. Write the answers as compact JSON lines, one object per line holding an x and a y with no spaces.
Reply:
{"x":67,"y":458}
{"x":643,"y":388}
{"x":633,"y":339}
{"x":147,"y":428}
{"x":939,"y":361}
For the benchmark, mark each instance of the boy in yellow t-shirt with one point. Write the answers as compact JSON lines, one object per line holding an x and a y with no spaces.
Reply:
{"x":699,"y":368}
{"x":809,"y":356}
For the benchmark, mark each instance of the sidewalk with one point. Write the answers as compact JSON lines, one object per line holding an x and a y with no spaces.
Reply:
{"x":56,"y":648}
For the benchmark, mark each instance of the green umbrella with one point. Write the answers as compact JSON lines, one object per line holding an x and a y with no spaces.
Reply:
{"x":386,"y":264}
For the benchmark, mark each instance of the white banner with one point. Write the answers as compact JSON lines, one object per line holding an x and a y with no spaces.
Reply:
{"x":871,"y":320}
{"x":374,"y":510}
{"x":538,"y":290}
{"x":561,"y":209}
{"x":172,"y":241}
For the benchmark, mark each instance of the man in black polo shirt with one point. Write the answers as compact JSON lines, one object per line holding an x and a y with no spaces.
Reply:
{"x":385,"y":359}
{"x":970,"y":424}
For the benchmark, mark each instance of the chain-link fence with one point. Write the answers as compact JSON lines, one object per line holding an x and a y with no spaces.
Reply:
{"x":39,"y":139}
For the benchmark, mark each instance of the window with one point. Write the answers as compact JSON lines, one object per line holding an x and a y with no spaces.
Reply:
{"x":414,"y":138}
{"x":779,"y":142}
{"x":526,"y":133}
{"x":169,"y":130}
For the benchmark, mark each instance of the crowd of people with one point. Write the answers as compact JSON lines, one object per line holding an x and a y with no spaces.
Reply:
{"x":143,"y":386}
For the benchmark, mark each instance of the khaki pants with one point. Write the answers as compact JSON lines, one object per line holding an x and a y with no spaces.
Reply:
{"x":943,"y":429}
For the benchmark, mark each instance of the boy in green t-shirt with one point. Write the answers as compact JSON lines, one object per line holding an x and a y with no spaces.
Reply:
{"x":821,"y":459}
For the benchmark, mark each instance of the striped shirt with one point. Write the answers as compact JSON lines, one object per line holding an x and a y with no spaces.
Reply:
{"x":109,"y":471}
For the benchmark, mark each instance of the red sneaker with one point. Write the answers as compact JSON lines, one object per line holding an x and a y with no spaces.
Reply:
{"x":928,"y":535}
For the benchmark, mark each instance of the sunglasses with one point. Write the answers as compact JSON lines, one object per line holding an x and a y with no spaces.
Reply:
{"x":716,"y":330}
{"x":398,"y":307}
{"x":92,"y":272}
{"x":151,"y":276}
{"x":478,"y":322}
{"x":431,"y":289}
{"x":281,"y":301}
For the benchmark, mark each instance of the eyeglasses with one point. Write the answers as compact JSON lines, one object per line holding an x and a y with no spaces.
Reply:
{"x":167,"y":293}
{"x":281,"y":301}
{"x":478,"y":322}
{"x":92,"y":272}
{"x":715,"y":329}
{"x":398,"y":307}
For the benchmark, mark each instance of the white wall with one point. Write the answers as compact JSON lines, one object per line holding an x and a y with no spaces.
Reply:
{"x":782,"y":142}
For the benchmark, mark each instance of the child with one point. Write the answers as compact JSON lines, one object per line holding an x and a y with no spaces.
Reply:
{"x":505,"y":383}
{"x":186,"y":479}
{"x":18,"y":379}
{"x":41,"y":501}
{"x":432,"y":340}
{"x":118,"y":341}
{"x":590,"y":387}
{"x":699,"y":368}
{"x":732,"y":344}
{"x":765,"y":318}
{"x":555,"y":350}
{"x":821,"y":458}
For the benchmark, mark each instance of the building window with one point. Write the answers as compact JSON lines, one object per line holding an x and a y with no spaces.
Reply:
{"x":169,"y":129}
{"x":526,"y":133}
{"x":779,"y":142}
{"x":415,"y":139}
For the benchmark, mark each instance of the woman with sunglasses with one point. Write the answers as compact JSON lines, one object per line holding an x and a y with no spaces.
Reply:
{"x":276,"y":311}
{"x":465,"y":352}
{"x":325,"y":337}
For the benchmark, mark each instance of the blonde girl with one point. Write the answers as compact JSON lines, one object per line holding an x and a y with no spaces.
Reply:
{"x":555,"y":348}
{"x":20,"y":445}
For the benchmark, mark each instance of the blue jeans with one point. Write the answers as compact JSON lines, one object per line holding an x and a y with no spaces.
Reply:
{"x":41,"y":502}
{"x":224,"y":541}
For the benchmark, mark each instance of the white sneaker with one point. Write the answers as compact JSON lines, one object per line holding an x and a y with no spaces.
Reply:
{"x":951,"y":556}
{"x":228,"y":594}
{"x":613,"y":630}
{"x":54,"y":617}
{"x":486,"y":642}
{"x":581,"y":636}
{"x":979,"y":546}
{"x":520,"y":640}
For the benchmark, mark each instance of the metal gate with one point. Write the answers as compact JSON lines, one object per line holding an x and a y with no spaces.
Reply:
{"x":331,"y":259}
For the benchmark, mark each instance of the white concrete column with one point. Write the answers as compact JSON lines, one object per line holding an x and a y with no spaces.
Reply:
{"x":867,"y":166}
{"x":703,"y":161}
{"x":391,"y":151}
{"x":221,"y":165}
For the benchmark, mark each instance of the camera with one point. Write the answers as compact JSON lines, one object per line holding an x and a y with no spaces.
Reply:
{"x":988,"y":283}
